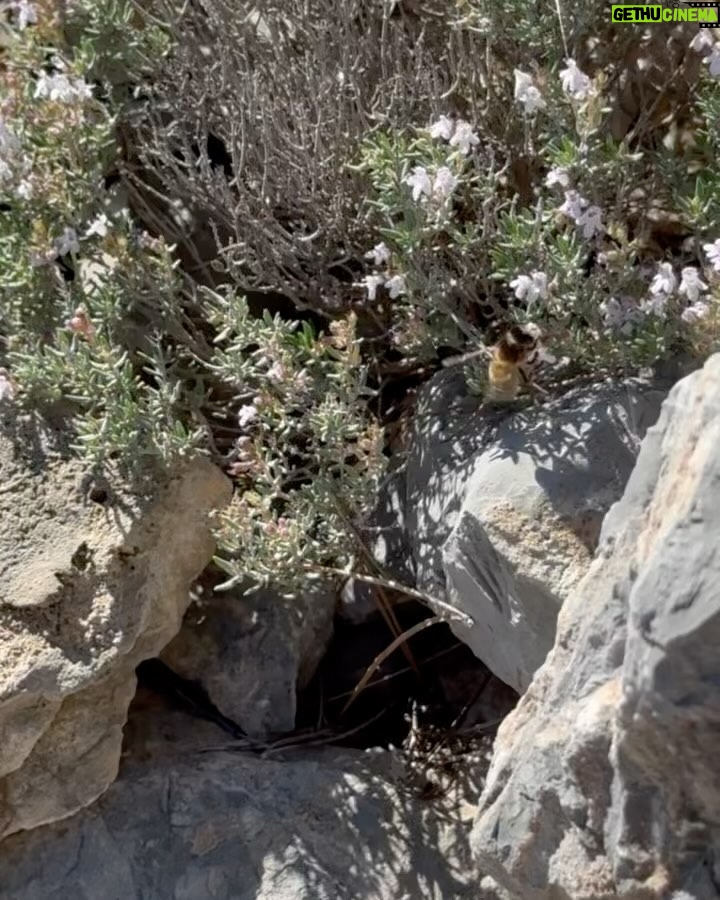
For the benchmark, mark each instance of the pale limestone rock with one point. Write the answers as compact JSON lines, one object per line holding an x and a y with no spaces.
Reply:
{"x":87,"y":590}
{"x":604,"y":781}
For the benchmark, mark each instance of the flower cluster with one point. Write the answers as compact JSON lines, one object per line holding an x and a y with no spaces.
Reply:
{"x":705,"y":44}
{"x":25,"y":13}
{"x":530,"y":288}
{"x":527,"y":94}
{"x":61,"y":88}
{"x":457,"y":132}
{"x":664,"y":286}
{"x":394,"y":284}
{"x":575,"y":82}
{"x":585,"y":215}
{"x":438,"y":189}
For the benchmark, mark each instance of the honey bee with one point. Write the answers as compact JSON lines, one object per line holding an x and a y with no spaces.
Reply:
{"x":510,"y":362}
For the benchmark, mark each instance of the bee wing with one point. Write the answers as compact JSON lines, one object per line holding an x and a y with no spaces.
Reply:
{"x":466,"y":357}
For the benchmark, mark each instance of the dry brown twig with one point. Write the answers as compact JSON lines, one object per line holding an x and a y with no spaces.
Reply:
{"x":288,"y":99}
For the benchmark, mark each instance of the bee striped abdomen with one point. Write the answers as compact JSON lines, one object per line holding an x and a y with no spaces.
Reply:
{"x":504,"y":382}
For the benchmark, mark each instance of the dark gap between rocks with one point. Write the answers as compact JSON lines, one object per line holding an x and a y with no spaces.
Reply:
{"x":452,"y":689}
{"x":451,"y":698}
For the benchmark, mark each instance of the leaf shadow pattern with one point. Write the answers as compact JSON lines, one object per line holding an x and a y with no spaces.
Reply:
{"x":581,"y":444}
{"x":325,"y":825}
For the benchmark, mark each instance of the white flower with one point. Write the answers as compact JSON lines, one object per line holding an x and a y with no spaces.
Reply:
{"x":702,"y":41}
{"x":691,"y":285}
{"x":419,"y":181}
{"x":712,"y":251}
{"x":543,"y":355}
{"x":99,"y":226}
{"x":9,"y":142}
{"x":247,"y":414}
{"x":60,"y":88}
{"x":656,"y":304}
{"x":558,"y":175}
{"x":443,"y":128}
{"x":575,"y":83}
{"x":713,"y":62}
{"x":444,"y":184}
{"x":371,"y":283}
{"x":53,"y":87}
{"x":591,"y":222}
{"x":24,"y":190}
{"x":664,"y":281}
{"x":7,"y":385}
{"x":527,"y":94}
{"x":395,"y":286}
{"x":530,"y":287}
{"x":83,"y":90}
{"x":67,"y":242}
{"x":695,"y":312}
{"x":380,"y":254}
{"x":277,"y":372}
{"x":573,"y":206}
{"x":26,"y":13}
{"x":464,"y":138}
{"x":620,"y":315}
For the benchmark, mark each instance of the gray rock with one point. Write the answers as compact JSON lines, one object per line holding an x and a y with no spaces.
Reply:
{"x":87,"y":590}
{"x":604,"y":781}
{"x":191,"y":825}
{"x":505,"y":508}
{"x":252,"y":652}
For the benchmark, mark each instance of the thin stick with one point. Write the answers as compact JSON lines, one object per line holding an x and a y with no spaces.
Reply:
{"x":331,"y":738}
{"x":389,"y":677}
{"x":403,"y":589}
{"x":381,"y":657}
{"x":381,"y":598}
{"x":562,"y":28}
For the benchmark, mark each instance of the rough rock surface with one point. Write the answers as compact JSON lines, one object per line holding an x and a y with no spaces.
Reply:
{"x":91,"y":583}
{"x":253,"y":652}
{"x":194,"y":823}
{"x":504,"y":508}
{"x":604,"y":781}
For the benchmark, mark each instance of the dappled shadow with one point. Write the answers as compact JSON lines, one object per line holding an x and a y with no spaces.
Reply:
{"x":37,"y":439}
{"x":583,"y":443}
{"x":450,"y":430}
{"x":588,"y":437}
{"x":193,"y":822}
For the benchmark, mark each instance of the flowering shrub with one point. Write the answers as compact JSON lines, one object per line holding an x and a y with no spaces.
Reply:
{"x":75,"y":272}
{"x":97,"y":320}
{"x":407,"y":175}
{"x":574,"y":248}
{"x":309,"y":454}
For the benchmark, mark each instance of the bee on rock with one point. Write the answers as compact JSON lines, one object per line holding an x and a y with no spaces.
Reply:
{"x":510,"y":362}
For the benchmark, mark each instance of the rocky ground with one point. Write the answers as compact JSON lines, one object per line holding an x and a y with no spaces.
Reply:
{"x":579,"y":537}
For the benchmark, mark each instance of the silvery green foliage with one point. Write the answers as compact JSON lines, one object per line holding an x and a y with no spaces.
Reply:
{"x":480,"y":143}
{"x":98,"y":322}
{"x":308,"y":455}
{"x":430,"y":167}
